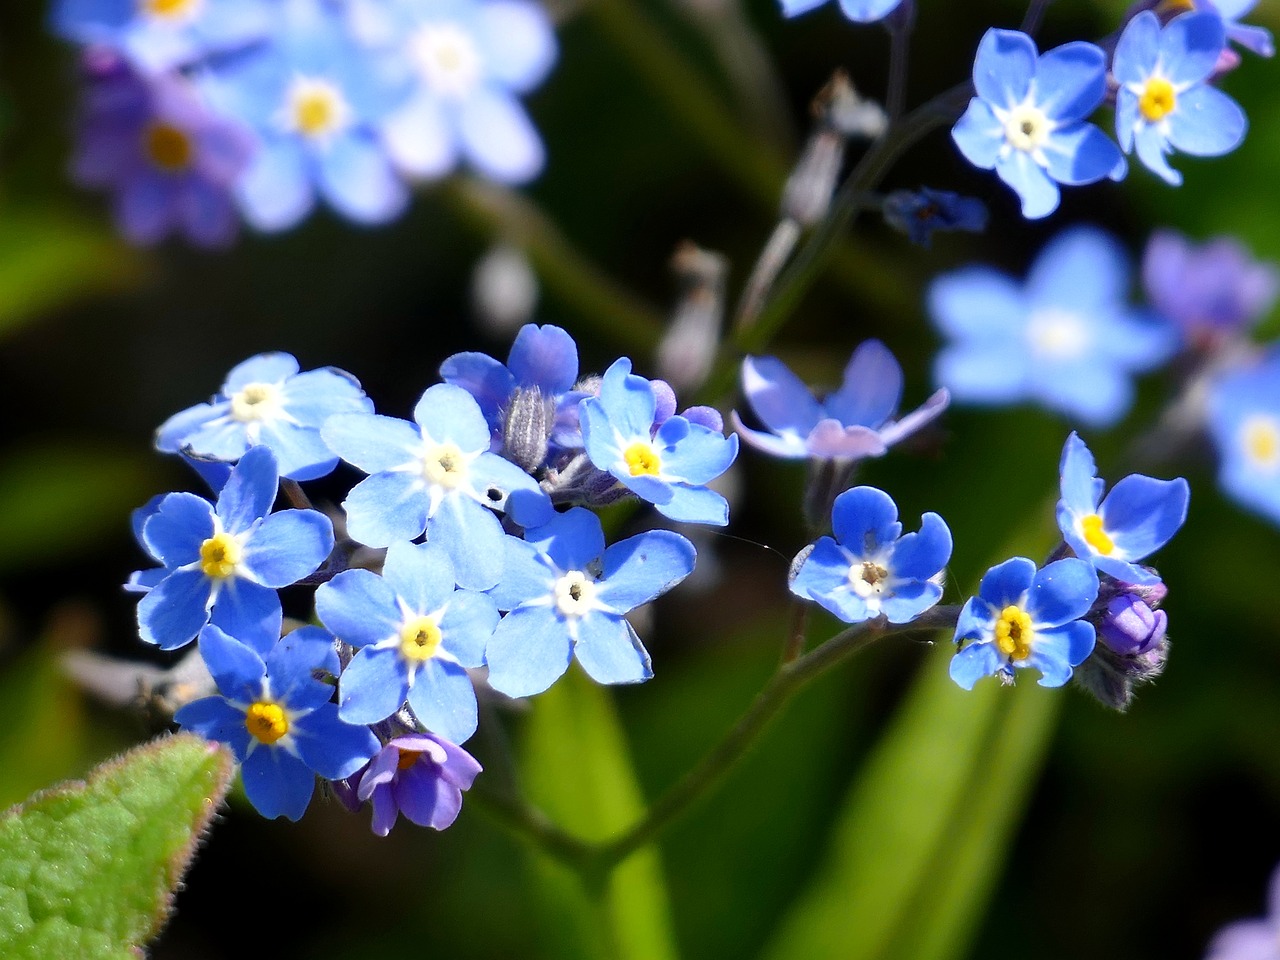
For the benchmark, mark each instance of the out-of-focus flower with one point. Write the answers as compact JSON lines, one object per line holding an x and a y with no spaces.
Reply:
{"x":859,"y":11}
{"x":919,"y":213}
{"x":1251,"y":939}
{"x":1244,"y":421}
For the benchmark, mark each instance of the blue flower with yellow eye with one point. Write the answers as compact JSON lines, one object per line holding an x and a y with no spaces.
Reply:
{"x":1136,"y":518}
{"x":1244,"y":422}
{"x":227,"y":560}
{"x":668,"y":467}
{"x":1028,"y":121}
{"x":1165,"y":101}
{"x":1023,"y":617}
{"x":416,"y":636}
{"x":275,"y":715}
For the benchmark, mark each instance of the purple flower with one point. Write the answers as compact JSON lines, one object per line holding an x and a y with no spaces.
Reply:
{"x":1252,"y":939}
{"x":918,"y":213}
{"x":169,"y":160}
{"x":855,"y":421}
{"x":1131,"y":627}
{"x":419,"y":775}
{"x":1208,"y":291}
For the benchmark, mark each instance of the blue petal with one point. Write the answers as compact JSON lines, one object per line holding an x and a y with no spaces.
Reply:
{"x":1081,"y":267}
{"x":778,"y":397}
{"x":1055,"y":652}
{"x":467,"y":625}
{"x":473,"y":538}
{"x":1150,"y":144}
{"x":909,"y":600}
{"x":386,"y":507}
{"x":174,"y":532}
{"x":1061,"y":592}
{"x":1190,"y":46}
{"x":507,"y":488}
{"x":444,"y":701}
{"x":300,"y":452}
{"x":871,"y":389}
{"x":277,"y":783}
{"x":373,"y":686}
{"x":610,"y":651}
{"x":249,"y":612}
{"x":699,"y":456}
{"x":359,"y":607}
{"x":1141,"y":514}
{"x":1006,"y":582}
{"x":627,"y":401}
{"x":250,"y":490}
{"x":236,"y":667}
{"x":695,"y":505}
{"x":526,"y":574}
{"x":357,"y":178}
{"x":642,"y":568}
{"x":974,"y":662}
{"x":175,"y":609}
{"x":275,"y":193}
{"x":1138,"y":49}
{"x":790,"y":446}
{"x":215,"y":719}
{"x":919,"y":556}
{"x":791,"y":8}
{"x":499,"y":138}
{"x":1071,"y":80}
{"x":864,"y":519}
{"x":832,"y":441}
{"x":979,"y":135}
{"x":372,"y":442}
{"x":975,"y":620}
{"x":1081,"y":154}
{"x":518,"y":41}
{"x":989,"y":373}
{"x":545,"y":357}
{"x":334,"y":749}
{"x":1079,"y":483}
{"x":978,"y":303}
{"x":1038,"y":192}
{"x":529,"y":650}
{"x":1099,"y":395}
{"x":448,"y":413}
{"x":1004,"y":67}
{"x":293,"y":663}
{"x":824,"y":578}
{"x":1207,"y":123}
{"x":421,"y":138}
{"x":288,"y":546}
{"x":421,"y":575}
{"x":484,"y":378}
{"x":573,"y":539}
{"x":273,"y":367}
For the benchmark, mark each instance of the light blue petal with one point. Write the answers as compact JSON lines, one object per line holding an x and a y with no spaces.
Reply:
{"x":357,"y":179}
{"x":1004,"y":67}
{"x":918,"y":418}
{"x":484,"y":378}
{"x":642,"y":568}
{"x":331,"y":748}
{"x":1006,"y":582}
{"x":444,"y":701}
{"x":300,"y":452}
{"x":1078,"y":477}
{"x":449,"y":414}
{"x":529,"y":650}
{"x":372,"y":442}
{"x":250,"y":490}
{"x":294,"y":662}
{"x":288,"y":546}
{"x":1138,"y":49}
{"x":919,"y":556}
{"x":473,"y":538}
{"x":507,"y":488}
{"x":275,"y":193}
{"x":277,"y":783}
{"x":975,"y":620}
{"x":236,"y":667}
{"x":791,"y":447}
{"x":791,"y":8}
{"x":420,"y":574}
{"x":499,"y":139}
{"x":1150,"y":145}
{"x":974,"y":662}
{"x":1081,"y":154}
{"x":1141,"y":514}
{"x":421,"y":138}
{"x":864,"y":519}
{"x":627,"y":401}
{"x":172,"y":435}
{"x":1190,"y":46}
{"x":573,"y":539}
{"x":272,"y":367}
{"x":909,"y":600}
{"x":174,"y":532}
{"x":1038,"y":192}
{"x":1128,"y":119}
{"x":984,"y":373}
{"x":386,"y":507}
{"x":979,"y":135}
{"x":545,"y":357}
{"x":525,"y":575}
{"x":868,"y":11}
{"x":1055,"y":652}
{"x":1082,"y":267}
{"x":249,"y":612}
{"x":359,"y":607}
{"x":173,"y":611}
{"x":977,"y":303}
{"x":518,"y":41}
{"x":1061,"y":592}
{"x":871,"y":388}
{"x":1098,"y":395}
{"x":1207,"y":123}
{"x":467,"y":625}
{"x":373,"y":686}
{"x":778,"y":397}
{"x":1071,"y":81}
{"x":610,"y":651}
{"x":697,"y":457}
{"x":1124,"y":571}
{"x":824,"y":578}
{"x":215,"y":719}
{"x":695,"y":505}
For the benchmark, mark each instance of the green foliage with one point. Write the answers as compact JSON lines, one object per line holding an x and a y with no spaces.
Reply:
{"x":577,"y":767}
{"x":88,"y":870}
{"x":41,"y":738}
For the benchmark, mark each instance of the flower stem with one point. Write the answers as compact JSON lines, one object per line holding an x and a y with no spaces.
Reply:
{"x":530,"y":824}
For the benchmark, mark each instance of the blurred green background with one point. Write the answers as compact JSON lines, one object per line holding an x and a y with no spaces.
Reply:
{"x":886,"y":815}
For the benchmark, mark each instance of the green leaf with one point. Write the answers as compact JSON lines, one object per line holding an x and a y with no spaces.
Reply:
{"x":576,"y":766}
{"x":88,"y":870}
{"x":923,"y":830}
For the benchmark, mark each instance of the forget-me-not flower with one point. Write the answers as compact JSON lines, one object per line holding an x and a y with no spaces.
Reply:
{"x":266,"y":400}
{"x":1066,"y":338}
{"x":276,"y":716}
{"x":437,"y":475}
{"x":668,"y":466}
{"x":1165,"y":101}
{"x":1135,"y":519}
{"x":1254,"y":38}
{"x":416,"y":636}
{"x":1024,"y":617}
{"x":859,"y":11}
{"x":1244,"y":421}
{"x":919,"y":213}
{"x":568,"y":596}
{"x":228,"y":560}
{"x":1028,"y":121}
{"x":871,"y":569}
{"x":850,"y":423}
{"x":419,"y":775}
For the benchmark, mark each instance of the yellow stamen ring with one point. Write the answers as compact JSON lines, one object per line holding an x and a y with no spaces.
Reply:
{"x":1158,"y":99}
{"x":1013,"y":633}
{"x":1095,"y":536}
{"x":266,"y":721}
{"x":642,"y":460}
{"x":420,"y":639}
{"x":219,"y":556}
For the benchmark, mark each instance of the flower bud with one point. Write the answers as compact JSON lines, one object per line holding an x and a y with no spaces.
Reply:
{"x":530,"y":418}
{"x":1131,"y":627}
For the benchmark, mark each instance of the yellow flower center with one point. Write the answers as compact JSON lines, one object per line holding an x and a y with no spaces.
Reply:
{"x":445,"y":464}
{"x":1095,"y":536}
{"x":257,"y":401}
{"x":1261,"y":437}
{"x":420,"y":639}
{"x":266,"y":721}
{"x":1158,"y":99}
{"x":407,"y":759}
{"x":316,"y":108}
{"x":219,"y":556}
{"x":169,"y":9}
{"x":642,"y":459}
{"x":167,"y":147}
{"x":1014,"y":633}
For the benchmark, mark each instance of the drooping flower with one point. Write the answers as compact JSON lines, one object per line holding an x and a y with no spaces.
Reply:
{"x":1067,"y":338}
{"x":853,"y":422}
{"x":419,"y":775}
{"x":1244,"y":422}
{"x":568,"y":596}
{"x":1135,"y":519}
{"x":871,"y":569}
{"x":416,"y":636}
{"x":266,"y":401}
{"x":859,"y":11}
{"x":1257,"y":939}
{"x":1028,"y":120}
{"x":226,"y":561}
{"x":1210,"y":291}
{"x":919,"y":213}
{"x":157,"y":35}
{"x":276,"y":716}
{"x":316,"y":99}
{"x":435,"y":475}
{"x":1164,"y":101}
{"x":1024,"y":617}
{"x":169,"y":162}
{"x":1257,"y":39}
{"x":667,"y":466}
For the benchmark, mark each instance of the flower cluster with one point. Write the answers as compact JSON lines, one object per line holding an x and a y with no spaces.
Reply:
{"x":469,"y":544}
{"x":196,"y":114}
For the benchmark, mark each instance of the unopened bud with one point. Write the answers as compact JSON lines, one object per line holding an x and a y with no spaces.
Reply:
{"x":526,"y":430}
{"x":807,"y":195}
{"x":1131,"y":627}
{"x":688,"y":348}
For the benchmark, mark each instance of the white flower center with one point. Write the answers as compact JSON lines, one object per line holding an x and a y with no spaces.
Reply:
{"x":447,"y":58}
{"x":257,"y":402}
{"x":1056,"y":334}
{"x":1027,"y":127}
{"x":444,"y":464}
{"x":575,"y":594}
{"x":869,"y":578}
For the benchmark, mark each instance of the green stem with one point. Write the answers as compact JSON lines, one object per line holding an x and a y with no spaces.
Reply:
{"x":789,"y":679}
{"x":532,"y":825}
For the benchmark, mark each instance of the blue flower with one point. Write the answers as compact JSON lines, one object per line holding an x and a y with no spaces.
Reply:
{"x":855,"y":421}
{"x":266,"y":401}
{"x":870,"y":569}
{"x":1028,"y":120}
{"x":1067,"y":338}
{"x":667,"y":467}
{"x":918,"y":213}
{"x":315,"y":99}
{"x":416,"y":634}
{"x":469,"y":62}
{"x":1257,"y":39}
{"x":276,"y":716}
{"x":1244,"y":421}
{"x":435,"y":475}
{"x":1024,"y":617}
{"x":568,"y":596}
{"x":419,"y":775}
{"x":1137,"y":518}
{"x":228,"y":560}
{"x":529,"y":402}
{"x":1164,"y":101}
{"x":156,"y":35}
{"x":859,"y":11}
